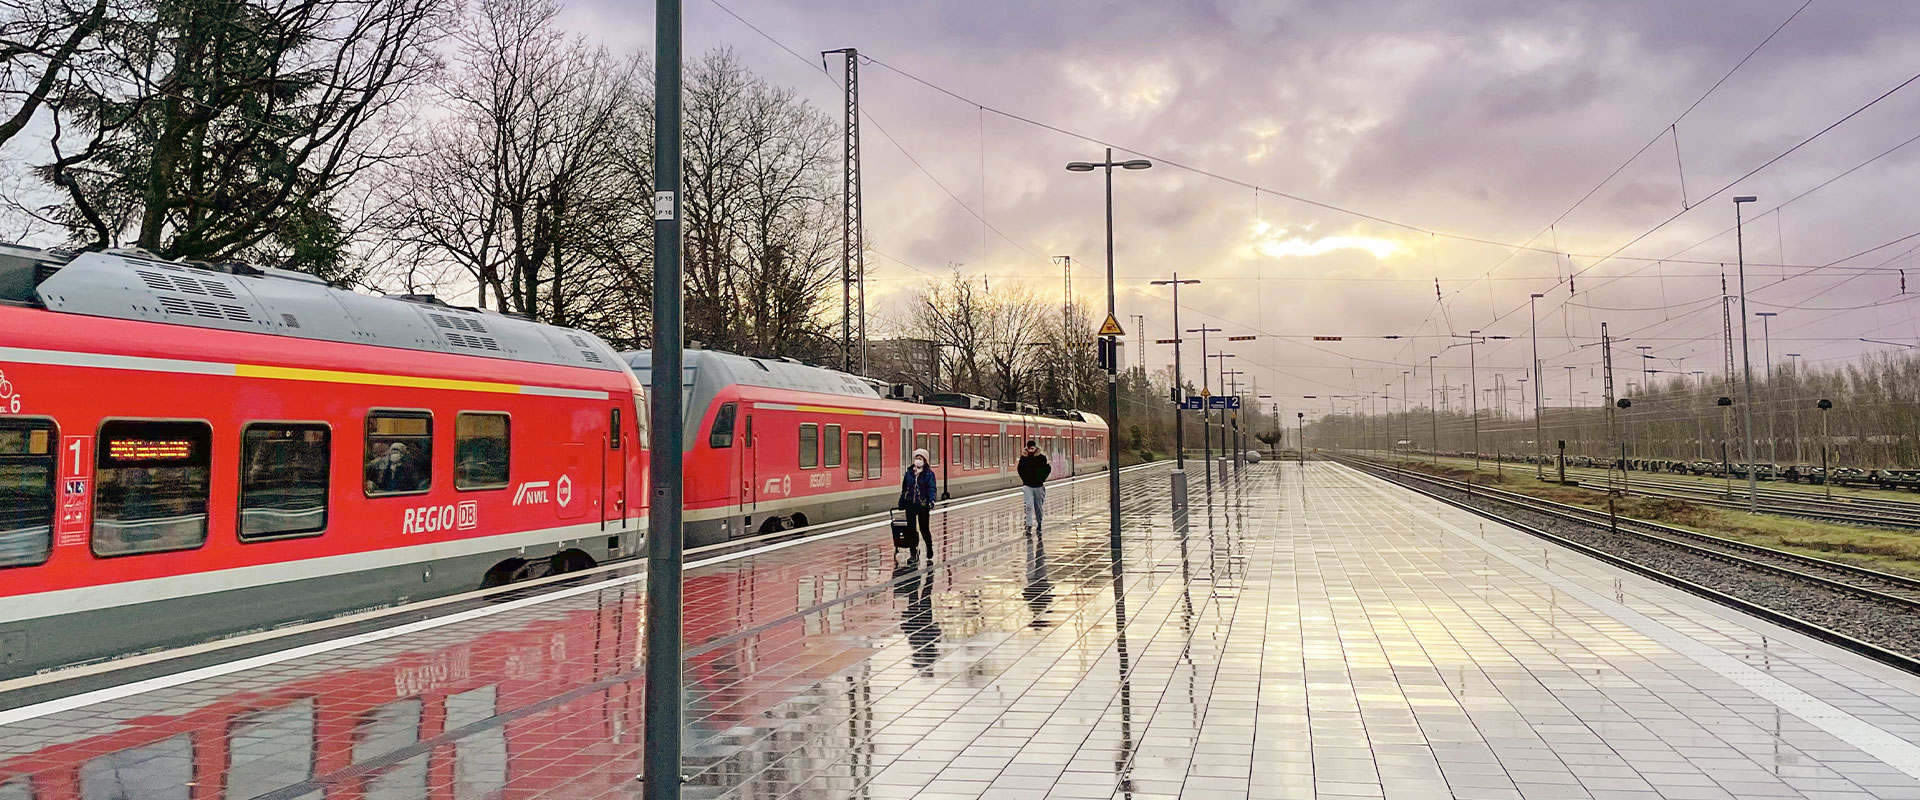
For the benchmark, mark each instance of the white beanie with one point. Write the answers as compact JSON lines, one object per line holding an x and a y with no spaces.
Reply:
{"x":922,"y":453}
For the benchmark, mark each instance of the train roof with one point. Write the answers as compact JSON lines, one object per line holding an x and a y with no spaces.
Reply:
{"x":136,"y":285}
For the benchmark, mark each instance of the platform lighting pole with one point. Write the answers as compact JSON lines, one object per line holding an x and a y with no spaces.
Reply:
{"x":1406,"y":411}
{"x":1746,"y":358}
{"x":1766,"y":338}
{"x":1179,"y":414}
{"x":1113,"y":345}
{"x":1300,"y":420}
{"x":663,"y":704}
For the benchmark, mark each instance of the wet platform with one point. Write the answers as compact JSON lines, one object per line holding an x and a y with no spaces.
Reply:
{"x":1303,"y":634}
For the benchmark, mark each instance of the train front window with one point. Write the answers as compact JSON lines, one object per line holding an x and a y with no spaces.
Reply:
{"x":152,"y":481}
{"x":27,"y":464}
{"x":399,"y":455}
{"x":722,"y":434}
{"x":283,"y":479}
{"x":480,"y":451}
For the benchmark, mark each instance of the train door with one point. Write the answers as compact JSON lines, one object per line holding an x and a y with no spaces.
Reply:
{"x":749,"y":457}
{"x":613,"y":474}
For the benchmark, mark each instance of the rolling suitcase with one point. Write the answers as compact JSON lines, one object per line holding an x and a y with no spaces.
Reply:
{"x":903,"y":536}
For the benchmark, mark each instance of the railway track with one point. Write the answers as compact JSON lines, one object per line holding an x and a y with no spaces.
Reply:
{"x":1862,"y":511}
{"x":1865,"y":610}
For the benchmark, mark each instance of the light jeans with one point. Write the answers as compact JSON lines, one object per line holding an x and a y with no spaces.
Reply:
{"x":1033,"y":501}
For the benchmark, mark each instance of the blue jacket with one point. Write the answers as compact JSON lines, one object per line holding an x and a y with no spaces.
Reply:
{"x":918,"y":493}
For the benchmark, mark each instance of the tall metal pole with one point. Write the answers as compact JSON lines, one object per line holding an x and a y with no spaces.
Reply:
{"x":1113,"y":390}
{"x":1473,"y":378}
{"x":853,"y":256}
{"x":1433,"y":409}
{"x":663,"y":704}
{"x":1746,"y":358}
{"x":1766,"y":338}
{"x":1206,"y":413}
{"x":1179,"y":389}
{"x":1406,"y":411}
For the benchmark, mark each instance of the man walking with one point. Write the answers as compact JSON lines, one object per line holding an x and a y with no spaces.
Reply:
{"x":1033,"y":469}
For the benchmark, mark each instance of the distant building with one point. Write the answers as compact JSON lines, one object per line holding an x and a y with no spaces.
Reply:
{"x":908,"y":361}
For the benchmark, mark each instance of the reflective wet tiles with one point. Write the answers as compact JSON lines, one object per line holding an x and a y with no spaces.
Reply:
{"x":1316,"y":635}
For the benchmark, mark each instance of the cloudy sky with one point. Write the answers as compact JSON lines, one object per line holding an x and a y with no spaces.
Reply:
{"x":1459,"y":120}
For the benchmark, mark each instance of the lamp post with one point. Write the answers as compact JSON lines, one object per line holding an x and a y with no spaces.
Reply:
{"x":1179,"y":413}
{"x":1746,"y":357}
{"x":1534,"y":325}
{"x":1113,"y":346}
{"x":1766,"y":339}
{"x":1699,"y":385}
{"x":1300,"y":420}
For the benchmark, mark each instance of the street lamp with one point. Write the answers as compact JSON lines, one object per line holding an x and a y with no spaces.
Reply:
{"x":1300,"y":420}
{"x":1179,"y":412}
{"x":1827,"y":473}
{"x":1206,"y":414}
{"x":1746,"y":357}
{"x":1113,"y":346}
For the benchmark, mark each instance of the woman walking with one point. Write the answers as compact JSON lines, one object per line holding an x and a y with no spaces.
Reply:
{"x":918,"y":488}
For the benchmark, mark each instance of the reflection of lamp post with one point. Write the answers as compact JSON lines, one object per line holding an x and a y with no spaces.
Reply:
{"x":1113,"y":346}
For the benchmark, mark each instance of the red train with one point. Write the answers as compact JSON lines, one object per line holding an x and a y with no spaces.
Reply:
{"x":190,"y":450}
{"x":773,"y":444}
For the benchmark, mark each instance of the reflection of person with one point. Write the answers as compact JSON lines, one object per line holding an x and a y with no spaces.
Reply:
{"x":1039,"y":590}
{"x":917,"y":621}
{"x":1034,"y":471}
{"x":392,"y":471}
{"x":918,"y":488}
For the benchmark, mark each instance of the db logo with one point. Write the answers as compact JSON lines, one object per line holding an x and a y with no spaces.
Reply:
{"x":432,"y":519}
{"x":563,"y":491}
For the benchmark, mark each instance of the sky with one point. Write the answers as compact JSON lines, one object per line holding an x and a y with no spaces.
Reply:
{"x":1400,"y":144}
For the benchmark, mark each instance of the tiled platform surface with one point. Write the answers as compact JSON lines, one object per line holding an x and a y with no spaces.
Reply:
{"x":1311,"y":634}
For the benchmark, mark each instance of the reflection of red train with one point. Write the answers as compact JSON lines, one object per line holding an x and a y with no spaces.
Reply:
{"x":553,"y":702}
{"x":774,"y":444}
{"x":190,"y":451}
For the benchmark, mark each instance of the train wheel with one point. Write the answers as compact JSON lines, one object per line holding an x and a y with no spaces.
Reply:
{"x":773,"y":525}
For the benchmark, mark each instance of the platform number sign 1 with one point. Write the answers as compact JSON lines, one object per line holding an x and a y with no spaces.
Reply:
{"x":76,"y":496}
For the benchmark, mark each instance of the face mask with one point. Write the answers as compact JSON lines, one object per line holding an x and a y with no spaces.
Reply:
{"x":395,"y":457}
{"x":920,"y":462}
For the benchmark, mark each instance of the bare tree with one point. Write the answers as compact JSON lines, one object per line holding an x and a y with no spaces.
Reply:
{"x":39,"y":40}
{"x":210,"y":129}
{"x":527,"y":183}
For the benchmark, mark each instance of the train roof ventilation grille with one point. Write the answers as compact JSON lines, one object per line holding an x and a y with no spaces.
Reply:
{"x":291,"y":320}
{"x":175,"y":305}
{"x":471,"y":342}
{"x":155,"y":280}
{"x":586,"y":350}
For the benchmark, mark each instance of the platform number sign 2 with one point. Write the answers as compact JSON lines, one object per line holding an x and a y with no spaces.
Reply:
{"x":76,"y":484}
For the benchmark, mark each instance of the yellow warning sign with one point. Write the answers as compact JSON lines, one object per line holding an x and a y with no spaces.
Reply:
{"x":1111,"y":327}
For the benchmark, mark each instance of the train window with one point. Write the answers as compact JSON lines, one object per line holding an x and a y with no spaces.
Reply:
{"x":956,"y":450}
{"x":26,"y":490}
{"x":933,"y":449}
{"x":152,"y":480}
{"x":283,"y":479}
{"x":832,"y":442}
{"x":613,"y":428}
{"x":399,"y":454}
{"x":722,"y":434}
{"x":809,"y":445}
{"x":481,"y":450}
{"x":876,"y":466}
{"x":856,"y":468}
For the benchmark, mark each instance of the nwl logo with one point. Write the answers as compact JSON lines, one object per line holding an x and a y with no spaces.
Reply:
{"x":531,"y":493}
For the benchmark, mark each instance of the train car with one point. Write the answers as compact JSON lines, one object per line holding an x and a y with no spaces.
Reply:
{"x":774,"y":444}
{"x":190,"y":450}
